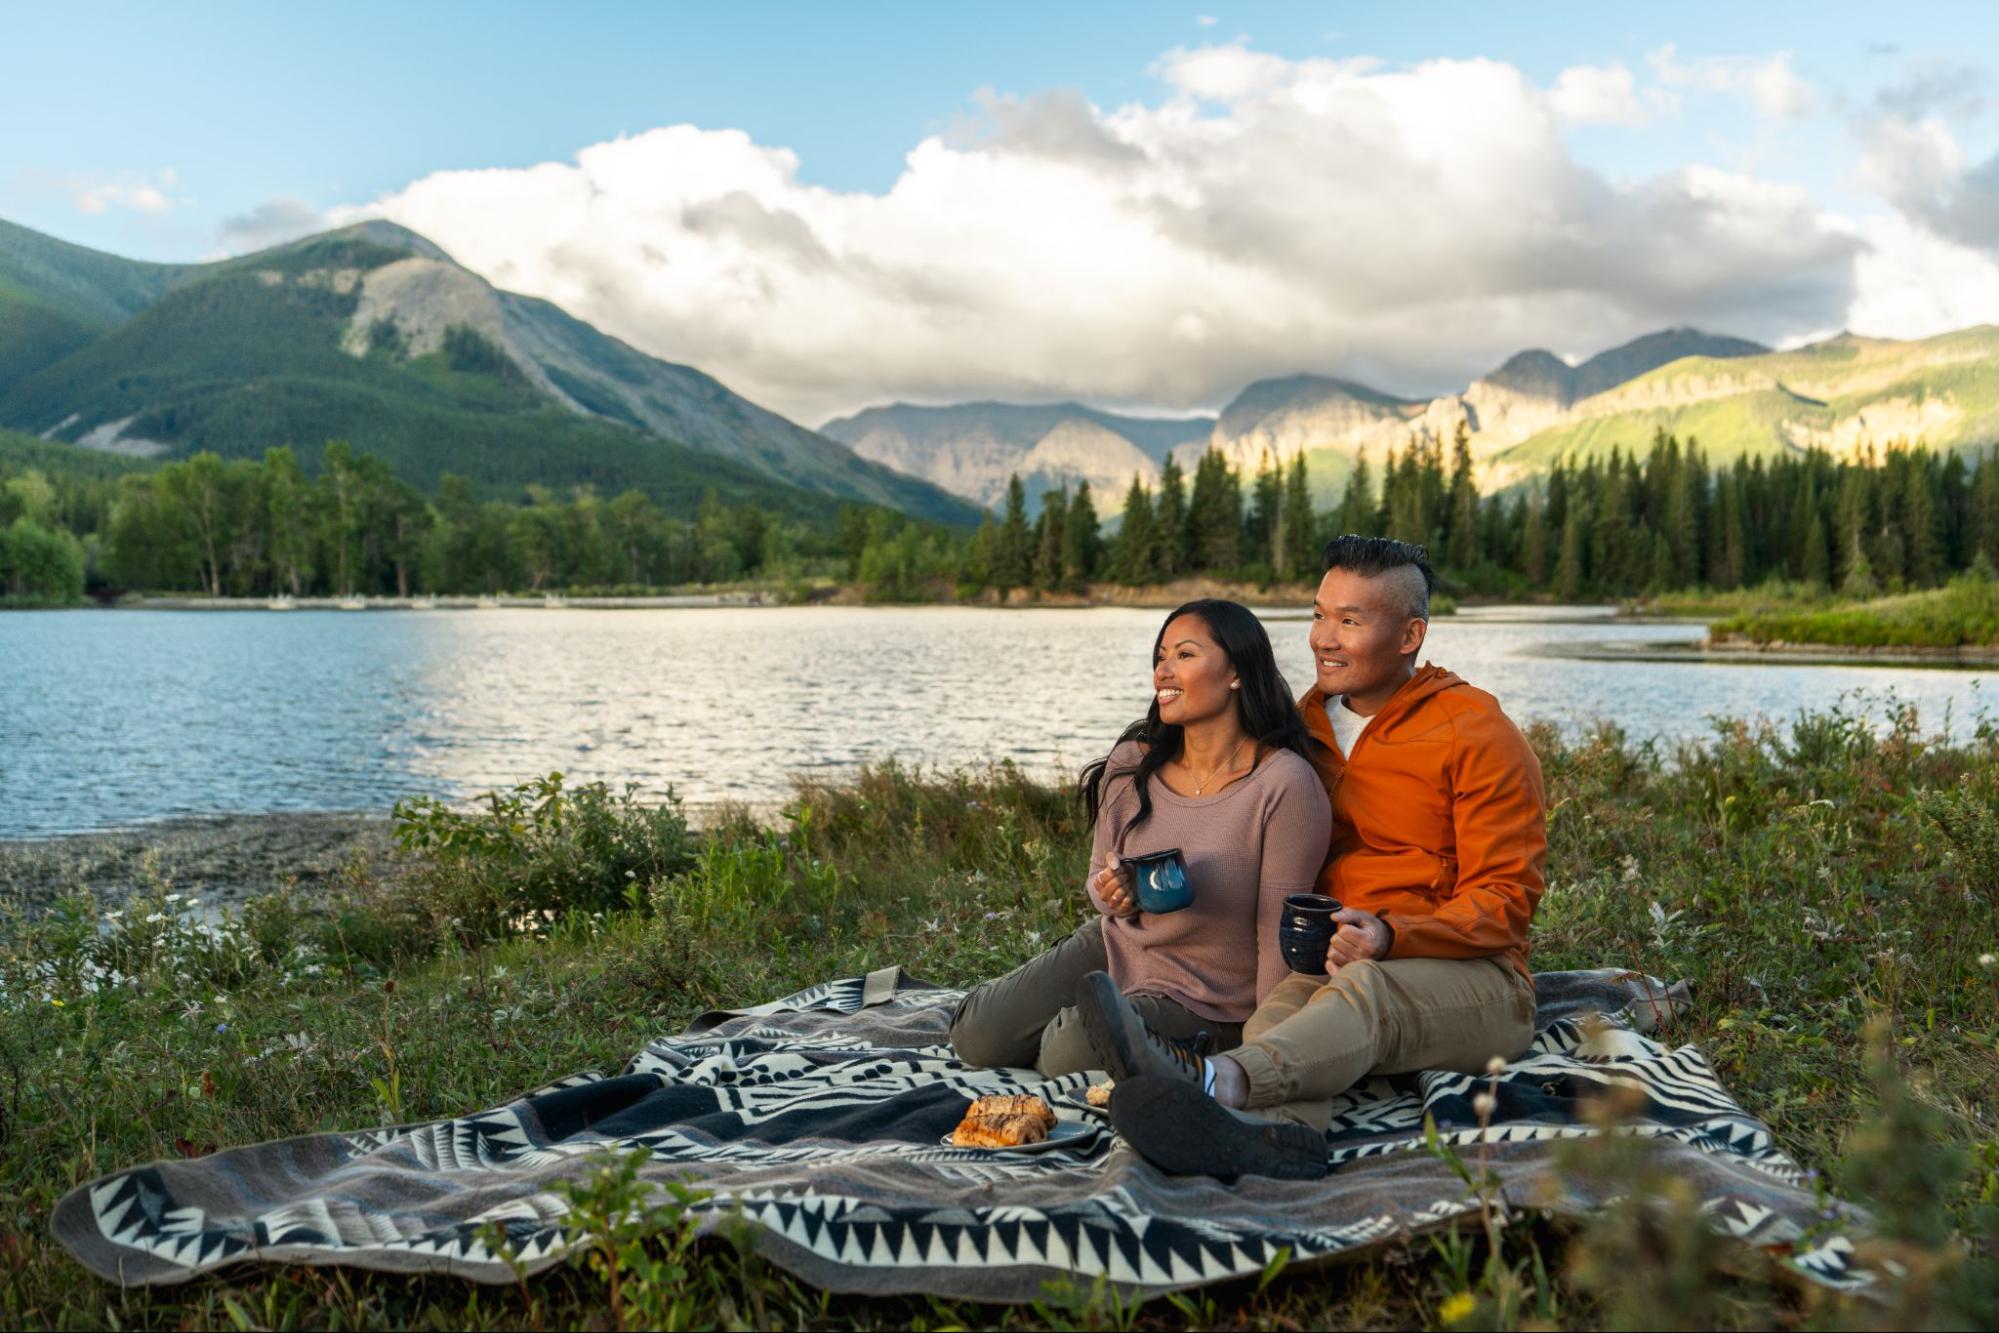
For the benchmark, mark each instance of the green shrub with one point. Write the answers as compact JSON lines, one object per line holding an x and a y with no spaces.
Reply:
{"x":1965,"y":612}
{"x":1968,"y":814}
{"x":539,"y":850}
{"x":39,"y":565}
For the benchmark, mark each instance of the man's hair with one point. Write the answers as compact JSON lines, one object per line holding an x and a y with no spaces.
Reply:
{"x":1372,"y":557}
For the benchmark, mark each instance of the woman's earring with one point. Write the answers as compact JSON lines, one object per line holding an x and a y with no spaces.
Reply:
{"x":1235,"y":684}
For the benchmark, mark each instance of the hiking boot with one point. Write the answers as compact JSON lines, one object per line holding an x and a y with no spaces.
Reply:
{"x":1125,"y":1044}
{"x":1178,"y":1128}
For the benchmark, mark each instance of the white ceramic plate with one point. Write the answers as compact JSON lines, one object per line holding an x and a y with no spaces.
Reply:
{"x":1066,"y":1134}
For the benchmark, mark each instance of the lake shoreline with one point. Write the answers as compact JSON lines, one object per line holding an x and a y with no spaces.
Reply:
{"x":1706,"y":652}
{"x":1163,"y":596}
{"x":222,"y":860}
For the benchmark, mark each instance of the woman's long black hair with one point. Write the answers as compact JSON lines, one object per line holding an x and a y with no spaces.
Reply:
{"x":1263,"y":704}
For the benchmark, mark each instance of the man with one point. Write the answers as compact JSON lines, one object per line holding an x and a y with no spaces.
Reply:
{"x":1439,"y":839}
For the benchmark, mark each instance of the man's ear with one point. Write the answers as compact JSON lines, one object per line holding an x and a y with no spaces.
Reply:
{"x":1413,"y":635}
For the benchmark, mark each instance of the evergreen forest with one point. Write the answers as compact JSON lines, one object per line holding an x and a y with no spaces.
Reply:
{"x":1623,"y":525}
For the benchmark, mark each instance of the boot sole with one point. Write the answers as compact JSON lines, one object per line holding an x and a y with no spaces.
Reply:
{"x":1182,"y":1130}
{"x":1097,"y":998}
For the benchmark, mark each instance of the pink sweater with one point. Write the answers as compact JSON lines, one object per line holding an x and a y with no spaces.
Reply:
{"x":1246,"y":847}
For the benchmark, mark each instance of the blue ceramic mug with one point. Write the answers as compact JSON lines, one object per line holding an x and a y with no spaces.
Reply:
{"x":1304,"y":931}
{"x":1160,"y":879}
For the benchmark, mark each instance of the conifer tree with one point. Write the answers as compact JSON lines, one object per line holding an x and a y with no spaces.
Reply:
{"x":1214,"y":514}
{"x":1082,"y":544}
{"x":1408,"y":516}
{"x":1048,"y":539}
{"x":982,"y":557}
{"x":1982,"y":533}
{"x":1534,"y":540}
{"x":1817,"y":569}
{"x":1858,"y":580}
{"x":1461,"y":524}
{"x":1296,"y":557}
{"x":1921,"y":535}
{"x":1357,"y":512}
{"x":1569,"y":573}
{"x":1132,"y":554}
{"x":1014,"y":564}
{"x":1171,"y":522}
{"x":1733,"y":570}
{"x":1266,"y":514}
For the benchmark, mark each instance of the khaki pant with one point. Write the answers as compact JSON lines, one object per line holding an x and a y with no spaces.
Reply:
{"x":1026,"y":1019}
{"x":1311,"y":1040}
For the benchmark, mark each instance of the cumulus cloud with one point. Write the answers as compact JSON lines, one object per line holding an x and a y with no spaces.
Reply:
{"x":1769,"y":83}
{"x":1410,"y":226}
{"x":1917,"y":165}
{"x":1597,"y":95}
{"x":1912,"y":283}
{"x":272,"y":222}
{"x":137,"y":192}
{"x":1934,"y":87}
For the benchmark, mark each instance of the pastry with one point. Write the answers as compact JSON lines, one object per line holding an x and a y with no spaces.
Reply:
{"x":1098,"y":1094}
{"x":1005,"y":1121}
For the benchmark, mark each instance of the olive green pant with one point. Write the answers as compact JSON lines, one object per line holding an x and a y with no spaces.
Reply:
{"x":1312,"y":1038}
{"x":1027,"y":1018}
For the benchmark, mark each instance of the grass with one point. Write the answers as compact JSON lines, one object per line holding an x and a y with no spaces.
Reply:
{"x":1832,"y":891}
{"x":1708,"y":603}
{"x":1963,"y":613}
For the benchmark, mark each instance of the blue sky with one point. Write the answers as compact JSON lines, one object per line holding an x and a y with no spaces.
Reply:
{"x":147,"y":129}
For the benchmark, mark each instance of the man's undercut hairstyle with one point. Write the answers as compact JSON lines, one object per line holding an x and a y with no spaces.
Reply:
{"x":1376,"y":557}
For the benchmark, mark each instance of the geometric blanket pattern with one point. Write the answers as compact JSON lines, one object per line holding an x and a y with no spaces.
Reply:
{"x":817,"y":1119}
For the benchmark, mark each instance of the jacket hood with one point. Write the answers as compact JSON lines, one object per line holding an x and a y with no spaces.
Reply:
{"x":1428,"y":682}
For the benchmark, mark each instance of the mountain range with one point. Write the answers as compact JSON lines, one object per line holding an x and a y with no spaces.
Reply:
{"x":1737,"y":397}
{"x":973,"y":448}
{"x":373,"y":335}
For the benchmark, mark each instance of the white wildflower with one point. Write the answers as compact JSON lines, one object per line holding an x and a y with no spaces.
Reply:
{"x":1485,"y":1104}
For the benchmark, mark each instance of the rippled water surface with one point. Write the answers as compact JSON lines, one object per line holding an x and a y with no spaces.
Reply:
{"x":112,"y":718}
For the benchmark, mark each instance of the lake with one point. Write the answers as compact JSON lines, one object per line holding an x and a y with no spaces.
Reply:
{"x":115,"y":718}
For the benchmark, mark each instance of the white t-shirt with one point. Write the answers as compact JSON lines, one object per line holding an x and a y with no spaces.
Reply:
{"x":1347,"y":724}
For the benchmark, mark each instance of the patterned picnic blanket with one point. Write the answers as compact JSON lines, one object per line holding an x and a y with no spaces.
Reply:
{"x":819,"y":1120}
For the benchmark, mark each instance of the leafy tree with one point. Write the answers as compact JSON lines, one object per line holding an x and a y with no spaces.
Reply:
{"x":288,"y":518}
{"x":197,"y":491}
{"x":40,"y":564}
{"x":632,"y":527}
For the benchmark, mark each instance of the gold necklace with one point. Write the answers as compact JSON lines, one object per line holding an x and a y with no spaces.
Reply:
{"x":1200,"y":786}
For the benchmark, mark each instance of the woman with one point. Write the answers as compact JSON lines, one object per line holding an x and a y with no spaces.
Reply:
{"x":1217,"y":767}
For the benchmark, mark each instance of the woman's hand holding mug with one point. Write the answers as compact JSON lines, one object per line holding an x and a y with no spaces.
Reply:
{"x":1114,"y":886}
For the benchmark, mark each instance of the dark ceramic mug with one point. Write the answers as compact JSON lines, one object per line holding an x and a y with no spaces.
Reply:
{"x":1305,"y":930}
{"x":1160,"y":880}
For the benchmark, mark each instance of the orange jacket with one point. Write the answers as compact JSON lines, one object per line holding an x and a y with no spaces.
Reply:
{"x":1440,"y":825}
